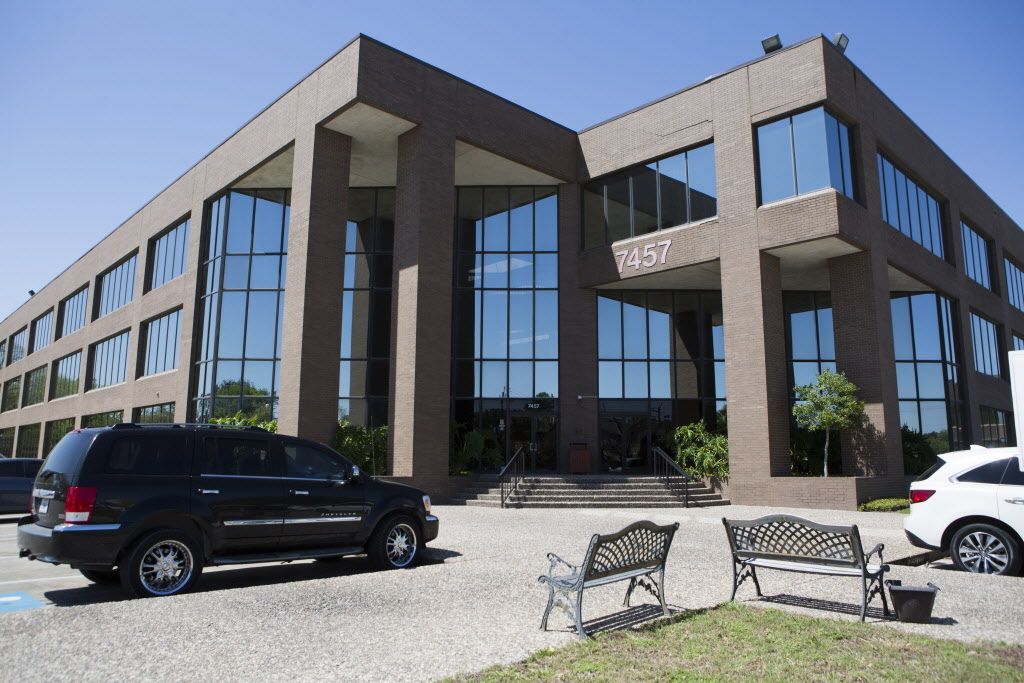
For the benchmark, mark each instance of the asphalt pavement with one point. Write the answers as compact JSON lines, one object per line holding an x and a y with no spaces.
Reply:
{"x":472,"y":603}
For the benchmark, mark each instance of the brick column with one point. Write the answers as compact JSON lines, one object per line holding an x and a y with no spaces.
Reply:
{"x":860,"y":307}
{"x":577,"y":340}
{"x":421,"y":335}
{"x":311,"y":343}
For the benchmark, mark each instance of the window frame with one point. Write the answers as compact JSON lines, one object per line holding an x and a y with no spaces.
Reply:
{"x":61,"y":315}
{"x":987,"y":264}
{"x":97,"y":303}
{"x":185,"y":222}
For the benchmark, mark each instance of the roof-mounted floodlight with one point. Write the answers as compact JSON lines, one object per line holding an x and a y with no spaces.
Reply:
{"x":771,"y":44}
{"x":841,"y":40}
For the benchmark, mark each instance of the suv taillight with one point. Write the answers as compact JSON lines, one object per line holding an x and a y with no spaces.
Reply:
{"x":78,"y":504}
{"x":920,"y":495}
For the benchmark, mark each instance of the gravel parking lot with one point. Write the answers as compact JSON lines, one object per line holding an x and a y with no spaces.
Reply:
{"x":473,"y":603}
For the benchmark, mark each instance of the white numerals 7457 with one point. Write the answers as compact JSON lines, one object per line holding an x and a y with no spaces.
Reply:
{"x":647,"y":259}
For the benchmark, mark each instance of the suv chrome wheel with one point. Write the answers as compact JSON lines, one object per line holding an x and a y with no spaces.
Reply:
{"x":166,"y":567}
{"x":401,"y":545}
{"x":983,"y":553}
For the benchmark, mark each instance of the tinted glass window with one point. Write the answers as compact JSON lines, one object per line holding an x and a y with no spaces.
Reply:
{"x":148,"y":455}
{"x":804,"y":153}
{"x":239,"y":457}
{"x":116,"y":287}
{"x":313,"y":463}
{"x":976,"y":256}
{"x":167,"y":255}
{"x":907,"y":207}
{"x":72,"y":312}
{"x":990,"y":473}
{"x":67,"y":456}
{"x":1013,"y":476}
{"x":42,"y":331}
{"x":939,"y":462}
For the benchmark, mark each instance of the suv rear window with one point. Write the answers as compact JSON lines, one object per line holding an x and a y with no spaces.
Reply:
{"x":148,"y":455}
{"x":989,"y":473}
{"x":66,"y":458}
{"x":939,"y":462}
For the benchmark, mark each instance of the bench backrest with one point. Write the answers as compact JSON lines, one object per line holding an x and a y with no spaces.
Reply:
{"x":641,"y":545}
{"x":783,"y":537}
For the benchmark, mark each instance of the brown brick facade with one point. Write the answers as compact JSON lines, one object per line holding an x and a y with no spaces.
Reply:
{"x":405,"y":123}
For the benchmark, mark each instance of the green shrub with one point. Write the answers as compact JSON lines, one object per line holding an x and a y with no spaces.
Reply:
{"x":366,"y":447}
{"x":702,"y":453}
{"x":240,"y":419}
{"x":467,"y":451}
{"x":885,"y":505}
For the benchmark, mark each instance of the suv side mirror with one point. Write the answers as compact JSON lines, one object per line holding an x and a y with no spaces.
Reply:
{"x":356,"y":473}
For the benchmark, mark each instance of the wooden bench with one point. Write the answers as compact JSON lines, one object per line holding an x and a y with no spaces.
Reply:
{"x":791,"y":544}
{"x":637,"y":554}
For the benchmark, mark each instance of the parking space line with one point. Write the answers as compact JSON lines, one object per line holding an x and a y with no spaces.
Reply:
{"x":40,"y":580}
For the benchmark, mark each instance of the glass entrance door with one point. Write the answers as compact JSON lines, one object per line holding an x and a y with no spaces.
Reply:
{"x":625,"y":443}
{"x":537,"y":434}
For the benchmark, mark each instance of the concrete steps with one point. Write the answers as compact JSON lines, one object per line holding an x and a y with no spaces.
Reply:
{"x":589,"y":491}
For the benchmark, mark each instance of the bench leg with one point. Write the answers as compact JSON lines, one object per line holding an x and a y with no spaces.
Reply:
{"x":864,"y":598}
{"x":735,"y":581}
{"x":885,"y":602}
{"x":661,"y":592}
{"x":757,"y":584}
{"x":579,"y":615}
{"x":629,"y":592}
{"x":547,"y":610}
{"x":741,"y":573}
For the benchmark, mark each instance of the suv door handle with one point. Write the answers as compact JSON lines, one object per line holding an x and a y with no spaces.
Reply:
{"x":208,"y":492}
{"x":1015,"y":501}
{"x":297,"y":492}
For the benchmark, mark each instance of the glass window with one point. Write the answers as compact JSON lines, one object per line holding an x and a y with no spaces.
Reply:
{"x":108,"y":361}
{"x":71,"y":312}
{"x":239,"y":458}
{"x":54,"y":431}
{"x":907,"y":207}
{"x":931,"y":405}
{"x":241,"y":307}
{"x":107,"y":419}
{"x":976,"y":256}
{"x":67,"y":372}
{"x":12,"y":394}
{"x":366,"y":306}
{"x":803,"y":153}
{"x":148,"y":456}
{"x":161,"y":345}
{"x":28,"y":441}
{"x":18,"y":344}
{"x":996,"y":428}
{"x":7,"y":442}
{"x":985,"y":337}
{"x":1014,"y":284}
{"x":42,"y":331}
{"x":308,"y":462}
{"x":1013,"y":476}
{"x":167,"y":254}
{"x":35,"y":386}
{"x":989,"y":473}
{"x":116,"y":287}
{"x":1018,"y":342}
{"x":658,"y":346}
{"x":665,"y":193}
{"x":161,"y":413}
{"x":3,"y":352}
{"x":505,"y":312}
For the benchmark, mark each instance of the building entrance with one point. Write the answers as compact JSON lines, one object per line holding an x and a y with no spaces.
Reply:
{"x":537,"y":435}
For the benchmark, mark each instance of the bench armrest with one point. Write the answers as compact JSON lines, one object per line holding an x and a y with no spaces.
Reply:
{"x":555,"y":560}
{"x":877,"y":549}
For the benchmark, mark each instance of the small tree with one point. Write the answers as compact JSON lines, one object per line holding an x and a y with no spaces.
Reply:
{"x":830,"y":404}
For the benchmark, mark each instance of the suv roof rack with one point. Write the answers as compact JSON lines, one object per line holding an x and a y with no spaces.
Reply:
{"x":180,"y":425}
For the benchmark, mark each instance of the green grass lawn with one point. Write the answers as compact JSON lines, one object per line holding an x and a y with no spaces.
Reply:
{"x":739,"y":643}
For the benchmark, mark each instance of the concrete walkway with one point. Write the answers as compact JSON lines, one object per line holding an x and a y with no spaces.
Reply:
{"x":474,"y":604}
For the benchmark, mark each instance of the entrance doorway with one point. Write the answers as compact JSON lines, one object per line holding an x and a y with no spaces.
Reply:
{"x":537,"y":434}
{"x":625,"y":443}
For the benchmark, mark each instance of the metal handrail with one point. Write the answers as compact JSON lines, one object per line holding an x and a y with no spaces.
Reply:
{"x":669,"y":471}
{"x":512,"y":474}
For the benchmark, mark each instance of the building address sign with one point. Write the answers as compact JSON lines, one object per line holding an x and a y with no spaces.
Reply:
{"x":646,"y":256}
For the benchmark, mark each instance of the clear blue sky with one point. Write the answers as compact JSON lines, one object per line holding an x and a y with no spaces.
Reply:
{"x":102,"y":104}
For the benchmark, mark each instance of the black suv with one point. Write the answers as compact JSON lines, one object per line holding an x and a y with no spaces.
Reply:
{"x":149,"y":506}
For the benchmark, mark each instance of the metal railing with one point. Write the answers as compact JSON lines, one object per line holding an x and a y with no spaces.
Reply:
{"x":512,"y":475}
{"x":669,"y":471}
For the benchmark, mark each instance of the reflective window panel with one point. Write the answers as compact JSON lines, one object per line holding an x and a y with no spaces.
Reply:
{"x":997,"y":428}
{"x":67,"y":372}
{"x":167,"y":254}
{"x":106,"y":419}
{"x":35,"y":387}
{"x":976,"y":256}
{"x":42,"y":331}
{"x":161,"y":413}
{"x":54,"y":431}
{"x":18,"y":346}
{"x":7,"y":442}
{"x":28,"y":441}
{"x":11,"y":395}
{"x":161,"y":344}
{"x":1014,"y":284}
{"x":674,"y":190}
{"x":71,"y":312}
{"x":108,"y":361}
{"x":803,"y":153}
{"x":985,"y":338}
{"x":909,"y":208}
{"x":116,"y":287}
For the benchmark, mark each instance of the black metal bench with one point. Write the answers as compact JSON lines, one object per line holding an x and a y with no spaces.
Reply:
{"x":786,"y":543}
{"x":636,"y":554}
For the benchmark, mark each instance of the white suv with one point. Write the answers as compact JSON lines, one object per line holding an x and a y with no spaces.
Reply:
{"x":971,"y":505}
